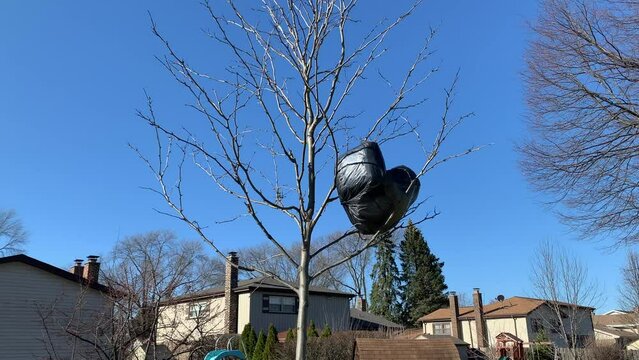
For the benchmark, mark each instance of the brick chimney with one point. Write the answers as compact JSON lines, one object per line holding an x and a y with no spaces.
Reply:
{"x":480,"y":323}
{"x":230,"y":296}
{"x":92,"y":269}
{"x":77,"y":269}
{"x":455,"y":324}
{"x":360,"y":304}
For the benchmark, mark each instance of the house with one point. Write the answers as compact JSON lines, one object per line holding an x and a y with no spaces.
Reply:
{"x":48,"y":312}
{"x":617,"y":327}
{"x":525,"y":318}
{"x":443,"y":348}
{"x":260,"y":301}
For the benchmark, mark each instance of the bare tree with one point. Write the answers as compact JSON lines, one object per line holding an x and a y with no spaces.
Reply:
{"x":583,"y":93}
{"x":12,"y":234}
{"x":147,"y":272}
{"x":563,"y":281}
{"x":629,"y":288}
{"x":274,"y":121}
{"x":264,"y":258}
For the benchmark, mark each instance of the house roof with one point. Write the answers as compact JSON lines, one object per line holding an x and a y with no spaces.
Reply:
{"x":372,"y":318}
{"x":428,"y":349}
{"x":616,"y":319}
{"x":616,"y":332}
{"x":262,"y":283}
{"x":21,"y":258}
{"x":514,"y":306}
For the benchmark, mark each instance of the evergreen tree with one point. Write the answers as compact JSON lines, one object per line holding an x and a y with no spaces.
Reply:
{"x":271,"y":342}
{"x":384,"y":294}
{"x":423,"y":286}
{"x":312,"y":330}
{"x":290,"y":335}
{"x":248,"y":340}
{"x":258,"y":351}
{"x":326,"y":332}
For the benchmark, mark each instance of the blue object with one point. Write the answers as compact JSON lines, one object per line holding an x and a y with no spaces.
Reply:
{"x":221,"y":354}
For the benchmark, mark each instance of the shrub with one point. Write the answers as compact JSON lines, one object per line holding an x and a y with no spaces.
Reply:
{"x":248,"y":340}
{"x":271,"y":344}
{"x":258,"y":351}
{"x":326,"y":332}
{"x":338,"y":346}
{"x":290,"y":335}
{"x":312,"y":330}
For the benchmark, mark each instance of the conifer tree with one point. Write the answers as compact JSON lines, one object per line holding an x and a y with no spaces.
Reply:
{"x":290,"y":335}
{"x":312,"y":330}
{"x":248,"y":340}
{"x":423,"y":286}
{"x":258,"y":351}
{"x":326,"y":332}
{"x":271,"y":342}
{"x":385,"y":278}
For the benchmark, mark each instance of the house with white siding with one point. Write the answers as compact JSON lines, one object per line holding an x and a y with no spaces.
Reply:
{"x":47,"y":312}
{"x":260,"y":301}
{"x":521,"y":318}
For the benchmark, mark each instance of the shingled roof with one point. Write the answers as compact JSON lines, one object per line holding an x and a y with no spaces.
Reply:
{"x":514,"y":306}
{"x":262,"y":283}
{"x":384,"y":349}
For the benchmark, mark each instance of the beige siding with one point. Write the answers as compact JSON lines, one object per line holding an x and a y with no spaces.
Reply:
{"x":515,"y":326}
{"x":35,"y":308}
{"x":243,"y":311}
{"x":175,"y":325}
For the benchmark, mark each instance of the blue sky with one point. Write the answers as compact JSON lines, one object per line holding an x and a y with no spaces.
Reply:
{"x":73,"y":74}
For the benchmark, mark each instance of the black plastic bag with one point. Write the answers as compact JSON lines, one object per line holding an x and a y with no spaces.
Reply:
{"x":374,"y":199}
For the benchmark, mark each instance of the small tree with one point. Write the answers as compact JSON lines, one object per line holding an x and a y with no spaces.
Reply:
{"x":385,"y":278}
{"x":326,"y":332}
{"x":248,"y":340}
{"x":312,"y":330}
{"x":258,"y":351}
{"x":540,"y":349}
{"x":271,"y":343}
{"x":290,"y":335}
{"x":563,"y":280}
{"x":423,"y":285}
{"x":273,"y":121}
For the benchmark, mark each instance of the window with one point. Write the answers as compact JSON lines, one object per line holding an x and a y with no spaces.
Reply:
{"x":537,"y":326}
{"x":279,"y":304}
{"x":441,"y":329}
{"x":198,"y":310}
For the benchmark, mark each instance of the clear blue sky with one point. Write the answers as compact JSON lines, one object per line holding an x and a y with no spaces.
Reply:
{"x":73,"y":74}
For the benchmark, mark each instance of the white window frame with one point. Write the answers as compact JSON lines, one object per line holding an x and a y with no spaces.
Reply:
{"x":198,"y":310}
{"x":441,"y":328}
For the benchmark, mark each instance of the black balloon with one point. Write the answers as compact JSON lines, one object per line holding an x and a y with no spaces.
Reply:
{"x":374,"y":199}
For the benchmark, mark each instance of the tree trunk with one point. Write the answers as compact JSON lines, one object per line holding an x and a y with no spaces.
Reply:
{"x":302,"y":315}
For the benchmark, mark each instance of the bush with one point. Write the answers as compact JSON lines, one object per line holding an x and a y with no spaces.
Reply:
{"x":248,"y":340}
{"x":271,"y":344}
{"x":338,"y":346}
{"x":312,"y":330}
{"x":258,"y":351}
{"x":326,"y":332}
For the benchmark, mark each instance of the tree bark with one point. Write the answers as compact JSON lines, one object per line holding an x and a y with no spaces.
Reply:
{"x":302,"y":310}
